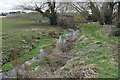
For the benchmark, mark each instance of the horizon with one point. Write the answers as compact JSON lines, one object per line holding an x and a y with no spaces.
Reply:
{"x":7,"y":11}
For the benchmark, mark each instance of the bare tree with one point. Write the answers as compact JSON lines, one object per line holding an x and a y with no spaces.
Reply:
{"x":107,"y":10}
{"x":118,"y":16}
{"x":82,"y":8}
{"x":47,"y":9}
{"x":101,"y":11}
{"x":104,"y":13}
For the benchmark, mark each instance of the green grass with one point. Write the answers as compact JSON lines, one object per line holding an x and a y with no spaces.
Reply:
{"x":102,"y":58}
{"x":30,"y":55}
{"x":97,"y":50}
{"x":14,"y":31}
{"x":94,"y":50}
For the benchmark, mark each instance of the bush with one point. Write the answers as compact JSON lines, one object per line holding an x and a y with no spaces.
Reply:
{"x":65,"y":21}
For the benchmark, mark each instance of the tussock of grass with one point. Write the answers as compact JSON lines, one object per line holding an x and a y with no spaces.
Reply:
{"x":14,"y":31}
{"x":30,"y":55}
{"x":96,"y":50}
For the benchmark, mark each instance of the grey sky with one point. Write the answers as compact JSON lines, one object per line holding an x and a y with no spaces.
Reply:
{"x":6,"y":5}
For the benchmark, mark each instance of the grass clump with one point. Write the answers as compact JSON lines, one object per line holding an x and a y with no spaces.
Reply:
{"x":95,"y":49}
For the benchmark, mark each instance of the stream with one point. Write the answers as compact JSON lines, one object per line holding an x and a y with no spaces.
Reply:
{"x":71,"y":36}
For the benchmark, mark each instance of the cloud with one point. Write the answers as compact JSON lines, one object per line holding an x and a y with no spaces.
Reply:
{"x":10,"y":4}
{"x":6,"y":5}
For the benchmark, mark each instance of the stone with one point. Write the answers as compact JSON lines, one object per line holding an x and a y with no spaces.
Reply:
{"x":67,"y":37}
{"x":61,"y":41}
{"x":21,"y":71}
{"x":28,"y":62}
{"x":73,"y":34}
{"x":4,"y":75}
{"x":1,"y":75}
{"x":11,"y":73}
{"x":65,"y":41}
{"x":42,"y":54}
{"x":34,"y":59}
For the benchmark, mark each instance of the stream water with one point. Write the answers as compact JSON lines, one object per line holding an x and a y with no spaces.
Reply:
{"x":72,"y":35}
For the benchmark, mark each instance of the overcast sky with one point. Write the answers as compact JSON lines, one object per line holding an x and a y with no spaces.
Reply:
{"x":6,"y":5}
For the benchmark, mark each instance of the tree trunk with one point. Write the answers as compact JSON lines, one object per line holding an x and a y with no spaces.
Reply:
{"x":96,"y":12}
{"x":118,"y":16}
{"x":51,"y":14}
{"x":107,"y":12}
{"x":116,"y":32}
{"x":53,"y":19}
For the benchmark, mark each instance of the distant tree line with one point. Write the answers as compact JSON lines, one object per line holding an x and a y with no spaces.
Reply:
{"x":3,"y":14}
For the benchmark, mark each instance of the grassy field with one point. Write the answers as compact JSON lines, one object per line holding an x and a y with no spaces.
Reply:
{"x":22,"y":34}
{"x":97,"y":49}
{"x":94,"y":48}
